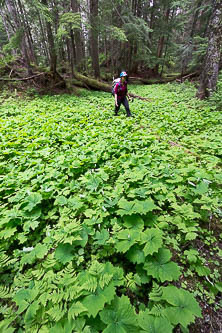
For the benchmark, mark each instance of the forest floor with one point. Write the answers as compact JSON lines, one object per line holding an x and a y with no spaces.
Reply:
{"x":108,"y":220}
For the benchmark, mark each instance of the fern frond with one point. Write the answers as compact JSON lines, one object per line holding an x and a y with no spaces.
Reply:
{"x":105,"y":279}
{"x":96,"y":268}
{"x":75,"y":310}
{"x":5,"y":260}
{"x":156,"y":293}
{"x":56,"y":312}
{"x":91,"y":284}
{"x":157,"y":311}
{"x":5,"y":292}
{"x":66,"y":277}
{"x":42,"y":285}
{"x":49,"y":262}
{"x":72,"y":292}
{"x":4,"y":326}
{"x":23,"y":280}
{"x":56,"y":296}
{"x":38,"y":274}
{"x":69,"y":270}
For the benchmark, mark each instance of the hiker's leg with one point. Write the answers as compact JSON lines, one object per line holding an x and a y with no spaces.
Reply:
{"x":126,"y":104}
{"x":117,"y":107}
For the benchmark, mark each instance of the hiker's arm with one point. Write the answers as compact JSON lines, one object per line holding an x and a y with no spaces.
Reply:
{"x":128,"y":96}
{"x":116,"y":99}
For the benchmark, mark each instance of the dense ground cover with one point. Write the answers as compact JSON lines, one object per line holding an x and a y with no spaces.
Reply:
{"x":110,"y":224}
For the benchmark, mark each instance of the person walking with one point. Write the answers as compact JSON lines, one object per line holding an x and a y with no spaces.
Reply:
{"x":121,"y":94}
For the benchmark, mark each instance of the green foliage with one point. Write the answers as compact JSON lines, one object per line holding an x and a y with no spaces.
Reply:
{"x":153,"y":324}
{"x":153,"y":240}
{"x":161,"y":268}
{"x":96,"y":210}
{"x":184,"y":306}
{"x":215,"y":100}
{"x":119,"y":316}
{"x":15,"y":41}
{"x":117,"y":34}
{"x":134,"y":207}
{"x":67,"y":22}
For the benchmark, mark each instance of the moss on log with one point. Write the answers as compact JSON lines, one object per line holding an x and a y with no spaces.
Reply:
{"x":98,"y":85}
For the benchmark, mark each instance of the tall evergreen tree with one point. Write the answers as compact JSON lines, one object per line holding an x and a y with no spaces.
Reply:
{"x":51,"y":43}
{"x":94,"y":43}
{"x":209,"y":75}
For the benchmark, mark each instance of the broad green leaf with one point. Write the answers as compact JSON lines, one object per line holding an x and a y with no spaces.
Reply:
{"x":40,"y":250}
{"x":151,"y":324}
{"x":160,"y":268}
{"x":153,"y":239}
{"x":75,"y":203}
{"x":191,"y":236}
{"x":63,"y":253}
{"x":126,"y":207}
{"x":134,"y":221}
{"x":143,"y":207}
{"x":61,"y":201}
{"x":201,"y":188}
{"x":135,"y":207}
{"x":120,"y":316}
{"x":31,"y":312}
{"x":185,"y":307}
{"x":101,"y":237}
{"x":201,"y":269}
{"x":94,"y":303}
{"x":192,"y":255}
{"x":108,"y":292}
{"x":75,"y":310}
{"x":22,"y":306}
{"x":126,"y":239}
{"x":136,"y":255}
{"x":32,"y":201}
{"x":7,"y":233}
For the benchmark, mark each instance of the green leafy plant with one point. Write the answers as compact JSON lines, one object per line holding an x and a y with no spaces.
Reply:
{"x":96,"y":210}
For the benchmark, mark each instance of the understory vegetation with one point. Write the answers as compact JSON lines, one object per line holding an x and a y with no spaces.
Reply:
{"x":110,"y":224}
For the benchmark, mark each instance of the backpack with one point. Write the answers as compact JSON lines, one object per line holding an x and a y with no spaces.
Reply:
{"x":114,"y":84}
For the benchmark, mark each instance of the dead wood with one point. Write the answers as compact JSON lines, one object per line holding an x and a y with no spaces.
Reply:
{"x":172,"y":143}
{"x":23,"y":79}
{"x":98,"y":85}
{"x":177,"y":78}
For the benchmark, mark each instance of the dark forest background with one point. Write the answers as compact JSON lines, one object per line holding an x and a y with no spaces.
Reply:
{"x":100,"y":38}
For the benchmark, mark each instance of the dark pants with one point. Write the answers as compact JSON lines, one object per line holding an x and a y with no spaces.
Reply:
{"x":124,"y":101}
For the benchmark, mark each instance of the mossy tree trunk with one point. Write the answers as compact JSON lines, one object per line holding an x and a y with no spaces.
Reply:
{"x":94,"y":45}
{"x":51,"y":43}
{"x":209,"y":75}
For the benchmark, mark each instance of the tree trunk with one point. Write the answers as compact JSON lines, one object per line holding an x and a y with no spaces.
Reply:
{"x":5,"y":23}
{"x":209,"y":75}
{"x":94,"y":49}
{"x":28,"y":35}
{"x":161,"y":44}
{"x":195,"y":18}
{"x":72,"y":53}
{"x":77,"y":41}
{"x":17,"y":26}
{"x":52,"y":50}
{"x":152,"y":19}
{"x":45,"y":49}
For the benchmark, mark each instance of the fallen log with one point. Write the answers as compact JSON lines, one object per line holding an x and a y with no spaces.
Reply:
{"x":98,"y":85}
{"x":46,"y":79}
{"x":177,"y":78}
{"x":92,"y":83}
{"x":22,"y":79}
{"x":189,"y":76}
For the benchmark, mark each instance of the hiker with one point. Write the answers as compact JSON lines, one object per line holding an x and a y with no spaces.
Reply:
{"x":120,"y":93}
